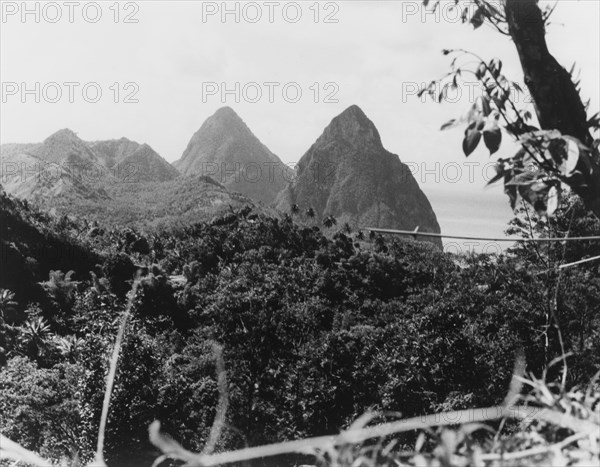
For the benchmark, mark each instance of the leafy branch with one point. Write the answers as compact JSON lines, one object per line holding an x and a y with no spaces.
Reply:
{"x":546,"y":158}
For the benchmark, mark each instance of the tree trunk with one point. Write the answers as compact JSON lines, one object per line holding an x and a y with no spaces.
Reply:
{"x":556,"y":99}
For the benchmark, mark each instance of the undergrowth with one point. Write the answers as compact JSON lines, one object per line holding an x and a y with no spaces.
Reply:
{"x":547,"y":425}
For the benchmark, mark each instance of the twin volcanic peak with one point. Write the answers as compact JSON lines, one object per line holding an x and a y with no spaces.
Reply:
{"x":226,"y":150}
{"x":348,"y":173}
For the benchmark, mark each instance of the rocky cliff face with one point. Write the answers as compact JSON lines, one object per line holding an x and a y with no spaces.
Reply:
{"x":348,"y":173}
{"x":225,"y":149}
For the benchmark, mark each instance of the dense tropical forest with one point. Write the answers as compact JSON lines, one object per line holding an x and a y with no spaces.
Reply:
{"x":317,"y":326}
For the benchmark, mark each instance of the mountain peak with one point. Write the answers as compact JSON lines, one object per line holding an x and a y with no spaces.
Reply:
{"x":225,"y":149}
{"x":226,"y":111}
{"x":144,"y":164}
{"x":348,"y":173}
{"x":353,"y":112}
{"x":64,"y":134}
{"x":64,"y":146}
{"x":354,"y":127}
{"x":226,"y":119}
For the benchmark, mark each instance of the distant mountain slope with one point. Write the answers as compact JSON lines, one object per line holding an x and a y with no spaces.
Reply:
{"x":113,"y":182}
{"x":114,"y":150}
{"x":129,"y":161}
{"x":48,"y":174}
{"x":64,"y":147}
{"x":225,"y":149}
{"x":14,"y":149}
{"x":348,"y":173}
{"x":144,"y":165}
{"x":65,"y":165}
{"x":180,"y":201}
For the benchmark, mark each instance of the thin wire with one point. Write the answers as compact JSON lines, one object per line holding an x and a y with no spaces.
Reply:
{"x":549,"y":239}
{"x":110,"y":378}
{"x":568,"y":265}
{"x":488,"y":239}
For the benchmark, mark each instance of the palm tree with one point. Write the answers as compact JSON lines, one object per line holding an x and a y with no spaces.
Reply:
{"x":294,"y":209}
{"x":35,"y":336}
{"x":360,"y":235}
{"x":310,"y":213}
{"x":69,"y":345}
{"x":329,"y":221}
{"x":347,"y":228}
{"x":7,"y":303}
{"x":60,"y":286}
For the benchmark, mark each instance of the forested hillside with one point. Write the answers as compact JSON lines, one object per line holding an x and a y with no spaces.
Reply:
{"x":315,"y":330}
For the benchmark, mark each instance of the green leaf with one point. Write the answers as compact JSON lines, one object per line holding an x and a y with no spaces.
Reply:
{"x":481,"y":70}
{"x":492,"y":139}
{"x":471,"y":140}
{"x":483,"y":103}
{"x":496,"y":66}
{"x":477,"y":18}
{"x":464,"y":15}
{"x":492,"y":135}
{"x":449,"y":124}
{"x":500,"y":173}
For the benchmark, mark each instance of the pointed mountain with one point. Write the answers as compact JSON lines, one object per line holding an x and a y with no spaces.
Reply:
{"x":63,"y":165}
{"x":225,"y":149}
{"x":145,"y":165}
{"x":114,"y":150}
{"x":65,"y":147}
{"x":132,"y":162}
{"x":348,"y":173}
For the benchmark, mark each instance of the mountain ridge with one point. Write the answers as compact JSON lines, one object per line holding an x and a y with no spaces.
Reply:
{"x":349,"y":174}
{"x":346,"y":173}
{"x":225,"y":149}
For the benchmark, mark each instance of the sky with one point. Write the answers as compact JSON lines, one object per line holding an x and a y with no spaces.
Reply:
{"x":162,"y":69}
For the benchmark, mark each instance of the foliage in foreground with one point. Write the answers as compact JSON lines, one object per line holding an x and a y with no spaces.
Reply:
{"x":316,"y":331}
{"x":549,"y":426}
